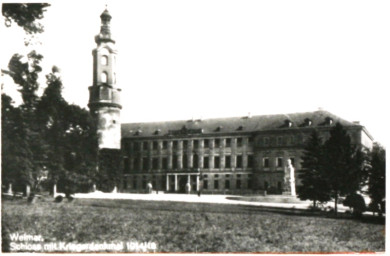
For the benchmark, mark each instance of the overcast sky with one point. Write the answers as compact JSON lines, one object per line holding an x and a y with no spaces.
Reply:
{"x":204,"y":59}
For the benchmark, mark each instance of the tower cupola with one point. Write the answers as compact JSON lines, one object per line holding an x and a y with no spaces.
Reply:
{"x":105,"y":30}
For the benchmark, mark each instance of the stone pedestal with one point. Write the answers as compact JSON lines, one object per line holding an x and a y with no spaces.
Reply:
{"x":28,"y":190}
{"x":10,"y":189}
{"x":55,"y":190}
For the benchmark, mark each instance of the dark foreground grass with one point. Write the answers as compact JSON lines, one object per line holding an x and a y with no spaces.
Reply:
{"x":189,"y":227}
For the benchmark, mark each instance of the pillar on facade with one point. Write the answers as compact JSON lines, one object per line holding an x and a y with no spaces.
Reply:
{"x":175,"y":182}
{"x":197,"y":183}
{"x":167,"y":183}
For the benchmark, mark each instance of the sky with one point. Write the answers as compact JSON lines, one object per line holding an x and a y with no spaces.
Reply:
{"x":184,"y":59}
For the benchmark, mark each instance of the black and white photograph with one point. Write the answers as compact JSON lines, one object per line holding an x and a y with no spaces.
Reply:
{"x":183,"y":126}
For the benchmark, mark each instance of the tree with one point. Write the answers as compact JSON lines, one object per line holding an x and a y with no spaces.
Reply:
{"x":25,"y":147}
{"x":26,"y":16}
{"x":343,"y":164}
{"x":376,"y":178}
{"x":69,"y":132}
{"x":109,"y":173}
{"x":314,"y":184}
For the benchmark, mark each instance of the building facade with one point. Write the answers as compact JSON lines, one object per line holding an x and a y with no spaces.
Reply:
{"x":221,"y":155}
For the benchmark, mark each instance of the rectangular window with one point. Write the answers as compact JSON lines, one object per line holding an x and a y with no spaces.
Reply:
{"x":293,"y":140}
{"x":250,"y":161}
{"x":185,"y":161}
{"x":217,"y":161}
{"x":145,"y":145}
{"x":155,"y":145}
{"x":227,"y":162}
{"x":206,"y":162}
{"x":279,"y":141}
{"x":136,"y":146}
{"x":145,"y":164}
{"x":144,"y":182}
{"x":196,"y":143}
{"x":266,"y":141}
{"x":195,"y":161}
{"x":205,"y":183}
{"x":165,"y":144}
{"x":174,"y":162}
{"x":126,"y":164}
{"x":279,"y":162}
{"x":206,"y":143}
{"x":185,"y":144}
{"x":165,"y":163}
{"x":216,"y":184}
{"x":216,"y":143}
{"x":136,"y":163}
{"x":239,"y":142}
{"x":227,"y":184}
{"x":250,"y":181}
{"x":175,"y":144}
{"x":239,"y":161}
{"x":266,"y":162}
{"x":135,"y":182}
{"x":228,"y":143}
{"x":155,"y":163}
{"x":250,"y":141}
{"x":238,"y":184}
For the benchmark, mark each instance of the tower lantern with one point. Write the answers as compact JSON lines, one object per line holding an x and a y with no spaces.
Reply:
{"x":104,"y":95}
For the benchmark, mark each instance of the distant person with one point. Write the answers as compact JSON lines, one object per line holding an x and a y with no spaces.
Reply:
{"x":150,"y":187}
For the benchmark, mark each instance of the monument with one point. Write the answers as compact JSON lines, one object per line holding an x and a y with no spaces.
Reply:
{"x":289,"y":179}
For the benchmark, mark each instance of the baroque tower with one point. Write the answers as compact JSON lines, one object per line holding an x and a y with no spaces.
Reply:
{"x":104,"y":95}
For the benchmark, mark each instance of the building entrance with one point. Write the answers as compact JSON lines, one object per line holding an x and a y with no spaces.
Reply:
{"x":178,"y":182}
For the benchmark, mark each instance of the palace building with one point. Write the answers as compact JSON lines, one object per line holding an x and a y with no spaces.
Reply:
{"x":221,"y":155}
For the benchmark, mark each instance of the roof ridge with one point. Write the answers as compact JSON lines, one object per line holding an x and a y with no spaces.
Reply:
{"x":232,"y":117}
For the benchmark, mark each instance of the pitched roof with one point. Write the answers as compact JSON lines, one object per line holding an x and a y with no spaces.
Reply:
{"x":232,"y":124}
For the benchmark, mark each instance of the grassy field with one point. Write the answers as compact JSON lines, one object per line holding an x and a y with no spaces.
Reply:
{"x":189,"y":227}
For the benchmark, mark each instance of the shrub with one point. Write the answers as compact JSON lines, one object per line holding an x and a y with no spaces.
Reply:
{"x":356,"y":202}
{"x":58,"y":199}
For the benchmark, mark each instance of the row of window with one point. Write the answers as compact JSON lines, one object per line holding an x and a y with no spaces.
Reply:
{"x":145,"y":163}
{"x":278,"y":162}
{"x":207,"y":143}
{"x":279,"y":140}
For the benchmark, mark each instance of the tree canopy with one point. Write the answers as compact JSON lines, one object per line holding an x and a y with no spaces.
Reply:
{"x":26,"y":15}
{"x":331,"y":169}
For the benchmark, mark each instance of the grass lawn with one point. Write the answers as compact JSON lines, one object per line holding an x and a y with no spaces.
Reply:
{"x":189,"y":227}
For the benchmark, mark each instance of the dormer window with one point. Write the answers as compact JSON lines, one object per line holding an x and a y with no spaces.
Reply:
{"x":287,"y":123}
{"x":240,"y":128}
{"x":308,"y":122}
{"x":158,"y":131}
{"x":219,"y":128}
{"x":138,"y":132}
{"x":329,"y":121}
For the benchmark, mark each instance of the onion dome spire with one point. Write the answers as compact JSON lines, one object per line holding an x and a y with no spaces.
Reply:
{"x":105,"y":32}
